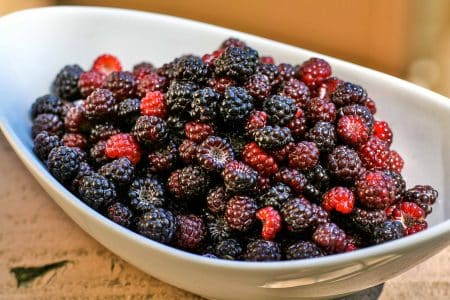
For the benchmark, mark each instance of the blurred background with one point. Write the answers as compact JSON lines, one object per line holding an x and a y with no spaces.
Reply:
{"x":406,"y":38}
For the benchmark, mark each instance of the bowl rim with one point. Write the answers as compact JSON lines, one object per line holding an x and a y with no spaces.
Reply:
{"x":38,"y":170}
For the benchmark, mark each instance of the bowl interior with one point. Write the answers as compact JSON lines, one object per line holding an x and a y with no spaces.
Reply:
{"x":34,"y":46}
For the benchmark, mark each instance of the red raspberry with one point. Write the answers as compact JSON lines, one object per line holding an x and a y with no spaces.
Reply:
{"x":330,"y":238}
{"x":375,"y":189}
{"x":266,"y":60}
{"x":303,"y":156}
{"x":107,"y":64}
{"x":219,"y":84}
{"x":298,"y":125}
{"x":382,"y":131}
{"x":209,"y":59}
{"x":271,"y":220}
{"x":370,"y":104}
{"x":321,"y":110}
{"x":256,"y":120}
{"x":291,"y":177}
{"x":314,"y":71}
{"x":259,"y":160}
{"x":89,"y":81}
{"x":240,"y":213}
{"x":197,"y":131}
{"x":154,"y":104}
{"x":352,"y":130}
{"x":327,"y":87}
{"x":123,"y":145}
{"x":395,"y":162}
{"x":374,"y":153}
{"x":350,"y":247}
{"x":74,"y":140}
{"x":150,"y":83}
{"x":187,"y":151}
{"x":339,"y":199}
{"x":411,"y":215}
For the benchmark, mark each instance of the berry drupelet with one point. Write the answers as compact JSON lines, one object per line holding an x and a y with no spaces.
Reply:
{"x":314,"y":71}
{"x":180,"y":95}
{"x":330,"y":238}
{"x":63,"y":163}
{"x":258,"y":86}
{"x":303,"y":156}
{"x":275,"y":196}
{"x":99,"y":105}
{"x":323,"y":134}
{"x":122,"y":85}
{"x":97,"y":191}
{"x":236,"y":105}
{"x":90,"y":81}
{"x":154,"y":104}
{"x":102,"y":132}
{"x":163,"y":159}
{"x":272,"y":137}
{"x":423,"y":195}
{"x":367,"y":220}
{"x":150,"y":131}
{"x":375,"y":190}
{"x":191,"y":68}
{"x":157,"y":224}
{"x":388,"y":231}
{"x":344,"y":164}
{"x":216,"y":199}
{"x":298,"y":214}
{"x":347,"y":94}
{"x":229,"y":249}
{"x":262,"y":250}
{"x":189,"y":182}
{"x":302,"y":250}
{"x":236,"y":62}
{"x":279,"y":109}
{"x":47,"y":122}
{"x":145,"y":193}
{"x":65,"y":84}
{"x":291,"y":177}
{"x":214,"y":153}
{"x":44,"y":143}
{"x":120,"y":214}
{"x":119,"y":171}
{"x":47,"y":104}
{"x":239,"y":177}
{"x":190,"y":231}
{"x":240,"y":213}
{"x":205,"y":105}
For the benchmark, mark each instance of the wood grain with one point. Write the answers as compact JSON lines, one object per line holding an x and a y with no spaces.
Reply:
{"x":34,"y":231}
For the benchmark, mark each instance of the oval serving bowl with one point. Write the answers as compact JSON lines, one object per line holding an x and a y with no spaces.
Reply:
{"x":35,"y":44}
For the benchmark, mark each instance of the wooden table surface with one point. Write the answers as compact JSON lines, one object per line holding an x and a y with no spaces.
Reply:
{"x":34,"y":231}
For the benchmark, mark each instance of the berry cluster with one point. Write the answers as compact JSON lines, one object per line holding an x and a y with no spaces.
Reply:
{"x":229,"y":155}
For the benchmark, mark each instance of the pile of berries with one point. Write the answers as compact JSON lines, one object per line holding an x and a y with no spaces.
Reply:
{"x":229,"y":155}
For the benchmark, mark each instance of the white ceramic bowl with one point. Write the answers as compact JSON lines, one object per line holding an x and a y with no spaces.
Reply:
{"x":35,"y":44}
